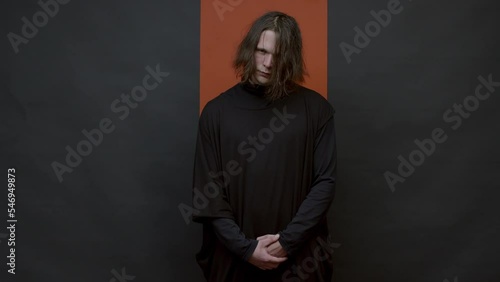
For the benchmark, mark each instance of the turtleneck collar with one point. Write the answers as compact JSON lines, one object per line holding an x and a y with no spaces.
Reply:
{"x":250,"y":96}
{"x":256,"y":89}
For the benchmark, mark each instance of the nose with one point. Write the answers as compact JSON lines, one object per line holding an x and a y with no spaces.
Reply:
{"x":268,"y":61}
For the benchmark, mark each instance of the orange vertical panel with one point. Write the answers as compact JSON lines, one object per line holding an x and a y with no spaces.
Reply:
{"x":225,"y":22}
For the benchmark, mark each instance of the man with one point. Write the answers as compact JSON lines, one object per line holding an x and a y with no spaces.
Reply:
{"x":266,"y":164}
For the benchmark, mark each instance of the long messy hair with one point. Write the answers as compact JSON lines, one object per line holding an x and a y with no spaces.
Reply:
{"x":288,"y":68}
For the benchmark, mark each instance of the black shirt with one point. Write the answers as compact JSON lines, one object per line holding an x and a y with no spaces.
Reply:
{"x":264,"y":167}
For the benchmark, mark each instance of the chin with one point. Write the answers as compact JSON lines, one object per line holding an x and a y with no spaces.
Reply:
{"x":259,"y":80}
{"x":263,"y":81}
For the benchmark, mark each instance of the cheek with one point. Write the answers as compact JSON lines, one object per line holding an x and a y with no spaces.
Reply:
{"x":258,"y":59}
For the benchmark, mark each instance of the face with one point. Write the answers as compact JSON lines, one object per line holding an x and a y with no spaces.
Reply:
{"x":264,"y":57}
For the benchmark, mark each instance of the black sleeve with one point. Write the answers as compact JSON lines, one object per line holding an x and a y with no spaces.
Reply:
{"x":229,"y":233}
{"x":209,"y":195}
{"x":315,"y":206}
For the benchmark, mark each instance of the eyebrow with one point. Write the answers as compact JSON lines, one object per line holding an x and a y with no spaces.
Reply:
{"x":262,"y":49}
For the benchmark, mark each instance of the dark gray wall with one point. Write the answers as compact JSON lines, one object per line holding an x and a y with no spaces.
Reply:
{"x":117,"y":210}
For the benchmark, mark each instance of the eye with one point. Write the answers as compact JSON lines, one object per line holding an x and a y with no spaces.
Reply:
{"x":261,"y":51}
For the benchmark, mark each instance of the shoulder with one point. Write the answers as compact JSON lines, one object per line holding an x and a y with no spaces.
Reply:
{"x":214,"y":106}
{"x":316,"y":103}
{"x":210,"y":117}
{"x":320,"y":111}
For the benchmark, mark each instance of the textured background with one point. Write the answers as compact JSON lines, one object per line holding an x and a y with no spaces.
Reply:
{"x":117,"y":211}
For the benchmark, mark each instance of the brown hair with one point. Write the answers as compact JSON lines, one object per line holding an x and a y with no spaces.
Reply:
{"x":288,"y":64}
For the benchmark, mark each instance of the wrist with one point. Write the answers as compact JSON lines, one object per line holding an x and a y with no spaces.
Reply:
{"x":283,"y":243}
{"x":249,"y":252}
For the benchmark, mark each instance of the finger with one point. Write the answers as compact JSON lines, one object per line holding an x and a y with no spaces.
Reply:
{"x":264,"y":236}
{"x":272,"y":250}
{"x":273,"y":259}
{"x":274,"y":246}
{"x":266,"y":242}
{"x":280,"y":259}
{"x":275,"y":254}
{"x":270,"y":239}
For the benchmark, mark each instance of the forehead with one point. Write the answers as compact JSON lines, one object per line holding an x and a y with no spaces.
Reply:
{"x":267,"y":41}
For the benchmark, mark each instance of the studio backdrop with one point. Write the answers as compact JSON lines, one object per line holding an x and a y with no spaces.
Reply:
{"x":100,"y":108}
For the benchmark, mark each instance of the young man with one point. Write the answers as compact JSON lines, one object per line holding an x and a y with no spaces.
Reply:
{"x":265,"y":166}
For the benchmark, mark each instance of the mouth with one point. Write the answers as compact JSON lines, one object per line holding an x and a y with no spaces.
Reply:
{"x":264,"y":74}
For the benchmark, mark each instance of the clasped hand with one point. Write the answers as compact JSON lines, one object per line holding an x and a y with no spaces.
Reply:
{"x":269,"y":253}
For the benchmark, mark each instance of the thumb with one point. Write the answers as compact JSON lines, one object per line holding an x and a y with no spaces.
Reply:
{"x":274,"y":238}
{"x":267,"y":236}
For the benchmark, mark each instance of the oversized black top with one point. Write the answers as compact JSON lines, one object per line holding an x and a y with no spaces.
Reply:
{"x":268,"y":167}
